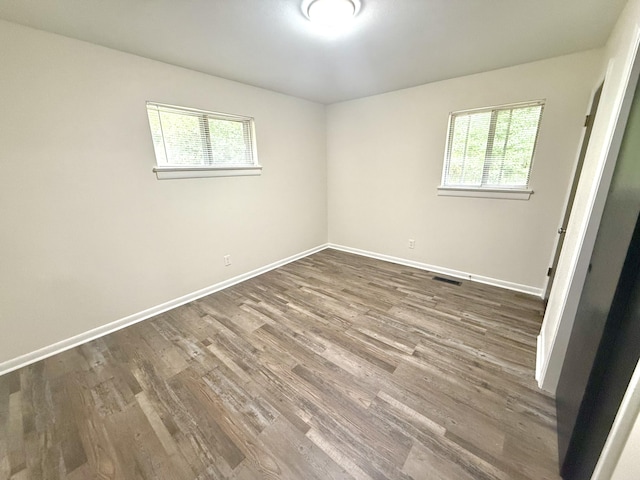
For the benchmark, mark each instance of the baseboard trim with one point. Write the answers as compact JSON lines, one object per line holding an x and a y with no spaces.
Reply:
{"x":445,"y":271}
{"x":61,"y":346}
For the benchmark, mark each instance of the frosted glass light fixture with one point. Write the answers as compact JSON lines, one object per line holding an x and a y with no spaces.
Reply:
{"x":332,"y":13}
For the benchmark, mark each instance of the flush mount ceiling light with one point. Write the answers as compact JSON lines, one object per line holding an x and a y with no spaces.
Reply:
{"x":331,"y":13}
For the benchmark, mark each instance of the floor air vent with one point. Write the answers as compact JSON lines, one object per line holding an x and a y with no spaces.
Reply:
{"x":447,"y":280}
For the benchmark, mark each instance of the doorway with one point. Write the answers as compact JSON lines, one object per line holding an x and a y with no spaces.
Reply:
{"x":604,"y":346}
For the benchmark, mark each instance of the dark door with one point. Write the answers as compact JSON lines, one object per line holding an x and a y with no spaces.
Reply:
{"x":574,"y":186}
{"x":615,"y":362}
{"x":606,"y":334}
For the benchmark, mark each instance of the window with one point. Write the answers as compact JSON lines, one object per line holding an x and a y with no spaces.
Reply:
{"x":490,"y":151}
{"x":194,"y":143}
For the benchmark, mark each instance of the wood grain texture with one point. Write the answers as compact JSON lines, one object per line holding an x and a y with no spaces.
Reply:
{"x":332,"y":367}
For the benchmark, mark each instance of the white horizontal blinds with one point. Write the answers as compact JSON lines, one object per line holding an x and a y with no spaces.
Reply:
{"x":468,"y":137}
{"x":493,"y":147}
{"x":230,"y":142}
{"x":181,"y":135}
{"x":156,"y":134}
{"x":192,"y":138}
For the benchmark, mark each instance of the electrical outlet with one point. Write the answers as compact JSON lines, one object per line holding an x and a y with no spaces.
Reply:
{"x":227,"y":260}
{"x":412,"y":243}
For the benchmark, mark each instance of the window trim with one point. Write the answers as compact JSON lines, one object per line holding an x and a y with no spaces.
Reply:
{"x":523,"y":192}
{"x":203,"y":171}
{"x":164,"y":173}
{"x":485,"y":192}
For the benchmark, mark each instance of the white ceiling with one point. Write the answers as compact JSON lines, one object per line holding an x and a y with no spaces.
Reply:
{"x":392,"y":44}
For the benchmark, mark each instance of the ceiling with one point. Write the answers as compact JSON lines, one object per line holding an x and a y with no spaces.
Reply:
{"x":392,"y":44}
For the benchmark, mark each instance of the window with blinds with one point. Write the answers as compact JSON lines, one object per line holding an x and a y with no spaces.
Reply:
{"x":189,"y":140}
{"x":492,"y":148}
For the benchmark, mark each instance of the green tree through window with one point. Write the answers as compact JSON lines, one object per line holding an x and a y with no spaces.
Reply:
{"x":191,"y":138}
{"x":492,"y":148}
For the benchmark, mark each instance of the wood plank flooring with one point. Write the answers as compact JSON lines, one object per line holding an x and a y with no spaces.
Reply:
{"x":332,"y":367}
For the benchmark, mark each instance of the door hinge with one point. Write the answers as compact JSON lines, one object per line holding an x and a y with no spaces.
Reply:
{"x":587,"y":120}
{"x":549,"y":270}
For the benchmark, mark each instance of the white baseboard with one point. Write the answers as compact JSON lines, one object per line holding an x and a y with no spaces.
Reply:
{"x":445,"y":271}
{"x":59,"y":347}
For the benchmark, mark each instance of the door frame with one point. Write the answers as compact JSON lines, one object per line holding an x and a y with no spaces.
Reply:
{"x":622,"y":425}
{"x":549,"y":358}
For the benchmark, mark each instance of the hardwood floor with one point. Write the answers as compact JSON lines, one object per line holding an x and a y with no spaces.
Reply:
{"x":333,"y":367}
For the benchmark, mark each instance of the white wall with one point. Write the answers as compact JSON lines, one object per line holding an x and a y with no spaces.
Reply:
{"x":385,"y":157}
{"x":590,"y":196}
{"x":88,"y":235}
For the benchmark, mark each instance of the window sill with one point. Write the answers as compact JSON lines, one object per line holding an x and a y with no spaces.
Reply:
{"x":164,"y":173}
{"x":504,"y":193}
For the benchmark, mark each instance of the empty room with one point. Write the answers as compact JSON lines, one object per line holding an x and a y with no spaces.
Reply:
{"x":320,"y":239}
